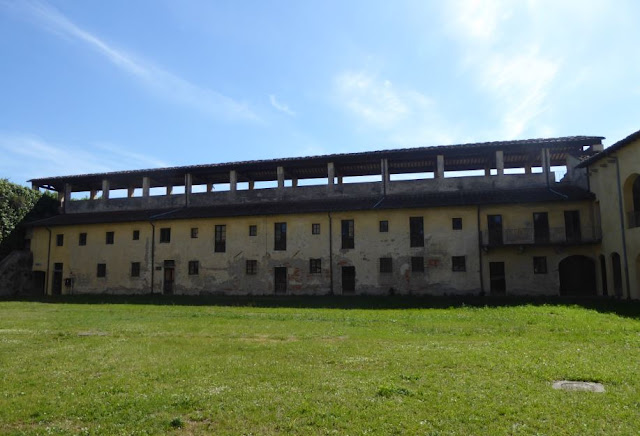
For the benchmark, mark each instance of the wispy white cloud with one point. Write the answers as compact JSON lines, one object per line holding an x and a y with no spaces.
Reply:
{"x":27,"y":155}
{"x":373,"y":101}
{"x":406,"y":116}
{"x":517,"y":78}
{"x":159,"y":81}
{"x":280,"y":106}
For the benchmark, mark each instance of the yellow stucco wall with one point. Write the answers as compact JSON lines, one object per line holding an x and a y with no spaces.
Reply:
{"x":620,"y":167}
{"x":226,"y":272}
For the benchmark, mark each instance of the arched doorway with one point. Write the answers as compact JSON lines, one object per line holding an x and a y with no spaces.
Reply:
{"x":632,"y":200}
{"x":617,"y":274}
{"x":603,"y":275}
{"x":577,"y":276}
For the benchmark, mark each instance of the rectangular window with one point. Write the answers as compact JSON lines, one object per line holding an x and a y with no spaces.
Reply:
{"x":386,"y":265}
{"x":194,"y":267}
{"x":59,"y":240}
{"x":458,"y":263}
{"x":541,"y":227}
{"x":456,"y":223}
{"x":82,"y":239}
{"x":165,"y":235}
{"x":252,"y":267}
{"x":110,"y":238}
{"x":102,"y":270}
{"x":136,"y":235}
{"x":384,"y":226}
{"x":253,"y":230}
{"x":494,"y":224}
{"x":135,"y":269}
{"x":194,"y":232}
{"x":220,"y":245}
{"x":417,"y":264}
{"x":315,"y":229}
{"x":280,"y":236}
{"x":348,"y":232}
{"x":315,"y":266}
{"x":572,"y":225}
{"x":416,"y":231}
{"x":539,"y":265}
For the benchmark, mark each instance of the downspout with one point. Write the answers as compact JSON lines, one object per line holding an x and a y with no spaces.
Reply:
{"x":153,"y":254}
{"x":330,"y":255}
{"x":480,"y":252}
{"x":624,"y":239}
{"x":46,"y":283}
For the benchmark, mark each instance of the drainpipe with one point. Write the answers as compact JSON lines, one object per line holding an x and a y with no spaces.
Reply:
{"x":480,"y":252}
{"x":153,"y":254}
{"x":46,"y":283}
{"x":624,"y":239}
{"x":330,"y":255}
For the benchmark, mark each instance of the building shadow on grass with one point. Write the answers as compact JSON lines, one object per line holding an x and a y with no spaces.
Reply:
{"x":626,"y":308}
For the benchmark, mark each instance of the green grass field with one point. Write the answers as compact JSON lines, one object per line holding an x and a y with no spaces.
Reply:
{"x":317,"y":366}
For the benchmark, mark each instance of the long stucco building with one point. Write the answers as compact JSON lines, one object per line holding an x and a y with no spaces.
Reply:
{"x":485,"y":218}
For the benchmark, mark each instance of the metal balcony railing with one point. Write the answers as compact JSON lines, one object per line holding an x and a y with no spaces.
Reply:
{"x":633,"y":219}
{"x":529,"y":236}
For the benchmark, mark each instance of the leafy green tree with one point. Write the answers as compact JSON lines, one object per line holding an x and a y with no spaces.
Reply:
{"x":20,"y":204}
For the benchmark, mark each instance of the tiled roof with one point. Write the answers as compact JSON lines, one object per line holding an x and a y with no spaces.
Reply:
{"x":609,"y":150}
{"x":458,"y":157}
{"x":424,"y":200}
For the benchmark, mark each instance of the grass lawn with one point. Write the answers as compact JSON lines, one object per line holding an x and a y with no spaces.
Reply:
{"x":317,"y":366}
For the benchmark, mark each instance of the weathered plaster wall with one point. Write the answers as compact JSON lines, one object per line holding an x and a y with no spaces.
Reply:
{"x":226,"y":272}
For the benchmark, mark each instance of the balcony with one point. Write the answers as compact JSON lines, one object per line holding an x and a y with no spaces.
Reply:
{"x":551,"y":236}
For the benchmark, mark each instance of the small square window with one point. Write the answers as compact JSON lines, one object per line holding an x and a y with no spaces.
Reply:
{"x":386,"y":265}
{"x":194,"y":267}
{"x":82,"y":239}
{"x":253,"y":230}
{"x":384,"y":226}
{"x":417,"y":264}
{"x":194,"y":232}
{"x":165,"y":235}
{"x":110,"y":238}
{"x":136,"y":235}
{"x":252,"y":267}
{"x":315,"y":229}
{"x":458,"y":263}
{"x":59,"y":240}
{"x":539,"y":265}
{"x":456,"y":223}
{"x":135,"y":269}
{"x":315,"y":266}
{"x":102,"y":270}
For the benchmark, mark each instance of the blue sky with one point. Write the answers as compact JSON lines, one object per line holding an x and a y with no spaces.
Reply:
{"x":92,"y":86}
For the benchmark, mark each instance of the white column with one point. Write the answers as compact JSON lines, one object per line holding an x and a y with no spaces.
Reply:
{"x":500,"y":162}
{"x":67,"y":193}
{"x":105,"y":189}
{"x":233,"y":181}
{"x":331,"y":173}
{"x":439,"y":167}
{"x":280,"y":175}
{"x":146,"y":186}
